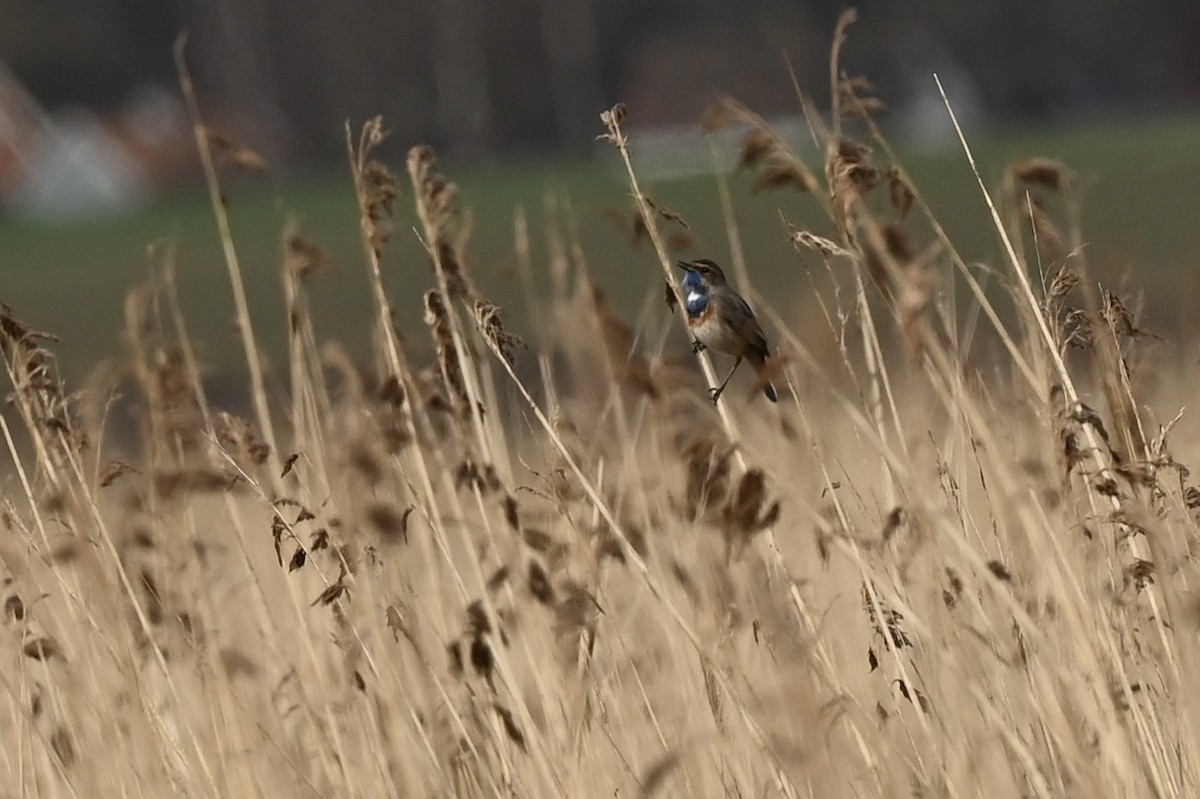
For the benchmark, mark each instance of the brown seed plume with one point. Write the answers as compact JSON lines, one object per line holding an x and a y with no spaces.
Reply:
{"x":437,"y":317}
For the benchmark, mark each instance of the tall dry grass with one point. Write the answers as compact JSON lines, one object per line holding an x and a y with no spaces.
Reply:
{"x":955,"y":560}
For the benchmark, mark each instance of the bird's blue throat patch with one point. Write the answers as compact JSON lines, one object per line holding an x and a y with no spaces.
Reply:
{"x":695,"y":294}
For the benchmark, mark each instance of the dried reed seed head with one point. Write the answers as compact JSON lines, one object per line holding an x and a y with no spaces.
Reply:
{"x":605,"y":543}
{"x":857,"y":84}
{"x":850,"y":173}
{"x":1084,"y":414}
{"x":1045,"y":172}
{"x":673,"y":216}
{"x":811,"y":241}
{"x":388,"y":521}
{"x":757,"y":144}
{"x":859,"y":176}
{"x":438,"y":319}
{"x":173,"y":396}
{"x":483,"y":659}
{"x":42,"y":648}
{"x":544,"y":543}
{"x":1047,"y":235}
{"x":680,"y":241}
{"x":1078,"y":328}
{"x":241,"y":436}
{"x":631,"y":367}
{"x":373,"y":133}
{"x":845,"y":19}
{"x":722,"y":112}
{"x":170,"y":483}
{"x":113,"y":472}
{"x":227,"y":150}
{"x":476,"y":621}
{"x":432,"y":189}
{"x":900,"y":191}
{"x":364,"y":458}
{"x":238,"y":664}
{"x":898,"y":243}
{"x":708,"y":472}
{"x":482,"y":477}
{"x":1065,"y":279}
{"x":615,"y":115}
{"x":36,"y":382}
{"x":62,"y":744}
{"x":142,"y":537}
{"x":780,"y":170}
{"x":498,"y":579}
{"x":382,"y":190}
{"x":612,"y":119}
{"x":1122,"y":320}
{"x":857,"y":97}
{"x":378,"y":197}
{"x":304,"y":258}
{"x":490,"y":319}
{"x":449,"y":257}
{"x":916,"y":291}
{"x":741,"y":512}
{"x":577,"y":609}
{"x":863,"y":107}
{"x":14,"y":608}
{"x":391,"y":391}
{"x":319,"y":540}
{"x":511,"y":728}
{"x":345,"y":374}
{"x":538,"y":582}
{"x":395,"y":436}
{"x":631,"y":222}
{"x":152,"y":603}
{"x":16,"y":335}
{"x":848,"y":151}
{"x":511,"y":512}
{"x":436,"y":316}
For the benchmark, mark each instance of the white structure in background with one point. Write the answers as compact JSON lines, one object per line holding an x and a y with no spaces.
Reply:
{"x":672,"y":152}
{"x":78,"y":170}
{"x":75,"y":165}
{"x":923,"y":122}
{"x":920,"y":123}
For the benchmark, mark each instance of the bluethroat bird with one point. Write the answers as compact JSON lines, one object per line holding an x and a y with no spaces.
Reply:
{"x":720,"y":319}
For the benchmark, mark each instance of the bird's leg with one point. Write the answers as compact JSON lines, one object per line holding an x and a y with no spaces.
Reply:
{"x":698,"y":346}
{"x":715,"y":393}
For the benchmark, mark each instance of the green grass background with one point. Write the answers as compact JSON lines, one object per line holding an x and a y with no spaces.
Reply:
{"x":1139,"y":181}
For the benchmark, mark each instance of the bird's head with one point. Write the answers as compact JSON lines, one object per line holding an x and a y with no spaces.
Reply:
{"x":701,"y":274}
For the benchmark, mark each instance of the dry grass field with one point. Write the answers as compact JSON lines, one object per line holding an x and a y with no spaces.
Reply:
{"x":954,"y":560}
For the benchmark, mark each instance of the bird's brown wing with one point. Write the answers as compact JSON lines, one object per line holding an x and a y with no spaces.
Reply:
{"x":738,"y":316}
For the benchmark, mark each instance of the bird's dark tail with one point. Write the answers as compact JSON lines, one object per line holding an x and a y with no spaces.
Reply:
{"x":759,"y":362}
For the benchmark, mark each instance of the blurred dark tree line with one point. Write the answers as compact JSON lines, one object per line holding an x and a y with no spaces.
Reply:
{"x":482,"y":76}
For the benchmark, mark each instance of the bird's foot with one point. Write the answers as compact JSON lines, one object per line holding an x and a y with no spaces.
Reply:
{"x":698,"y":347}
{"x":714,"y":394}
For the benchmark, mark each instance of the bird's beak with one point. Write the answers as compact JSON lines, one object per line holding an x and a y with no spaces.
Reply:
{"x":685,"y":266}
